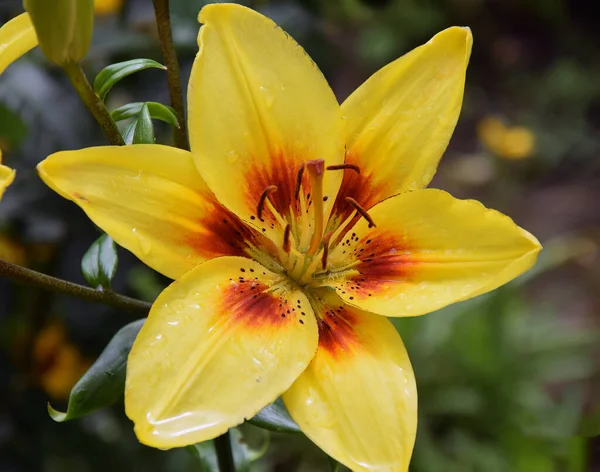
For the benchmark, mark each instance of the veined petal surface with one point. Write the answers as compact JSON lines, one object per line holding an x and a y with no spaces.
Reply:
{"x":399,"y":122}
{"x":220,"y":343}
{"x":259,"y":109}
{"x":16,"y":38}
{"x":428,"y":250}
{"x":151,"y":200}
{"x":357,"y":400}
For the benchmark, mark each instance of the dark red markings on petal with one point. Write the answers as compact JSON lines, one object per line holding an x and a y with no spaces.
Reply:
{"x":384,"y":258}
{"x":358,"y":186}
{"x":245,"y":300}
{"x":336,"y":333}
{"x":283,"y":171}
{"x":223,"y":234}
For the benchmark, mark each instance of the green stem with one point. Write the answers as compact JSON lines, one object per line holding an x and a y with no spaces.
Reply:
{"x":93,"y":103}
{"x":163,"y":23}
{"x":37,"y":279}
{"x":224,"y":453}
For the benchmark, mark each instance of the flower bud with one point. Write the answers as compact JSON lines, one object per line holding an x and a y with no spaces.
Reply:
{"x":63,"y":27}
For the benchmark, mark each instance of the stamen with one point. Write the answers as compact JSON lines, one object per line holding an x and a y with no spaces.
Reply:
{"x":342,"y":227}
{"x":326,"y":239}
{"x":344,"y":167}
{"x":299,"y":181}
{"x":315,"y":170}
{"x":286,"y":238}
{"x":261,"y":201}
{"x":361,"y":210}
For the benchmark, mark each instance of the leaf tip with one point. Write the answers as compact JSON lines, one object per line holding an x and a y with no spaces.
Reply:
{"x":56,"y":415}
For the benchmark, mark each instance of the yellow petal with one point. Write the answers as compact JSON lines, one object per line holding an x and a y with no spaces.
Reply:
{"x":16,"y":38}
{"x":258,"y":109}
{"x":399,"y":122}
{"x":428,"y":250}
{"x":151,"y":200}
{"x":220,"y":343}
{"x":7,"y":175}
{"x":357,"y":400}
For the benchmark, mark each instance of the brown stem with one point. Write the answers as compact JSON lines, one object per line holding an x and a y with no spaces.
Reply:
{"x":93,"y":103}
{"x":47,"y":282}
{"x":163,"y":23}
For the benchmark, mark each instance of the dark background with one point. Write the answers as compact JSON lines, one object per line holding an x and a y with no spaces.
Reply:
{"x":507,"y":382}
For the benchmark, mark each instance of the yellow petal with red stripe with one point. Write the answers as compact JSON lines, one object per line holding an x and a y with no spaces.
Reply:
{"x":259,"y":109}
{"x":151,"y":200}
{"x":357,"y":400}
{"x":220,"y":343}
{"x":16,"y":38}
{"x":399,"y":122}
{"x":426,"y":251}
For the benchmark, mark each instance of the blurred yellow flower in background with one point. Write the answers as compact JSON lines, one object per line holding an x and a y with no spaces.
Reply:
{"x":509,"y":142}
{"x":107,"y":7}
{"x":58,"y":362}
{"x":12,"y":252}
{"x":7,"y":175}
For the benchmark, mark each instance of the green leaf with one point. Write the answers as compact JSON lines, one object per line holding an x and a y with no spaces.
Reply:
{"x":99,"y":263}
{"x":111,"y":74}
{"x":275,"y":417}
{"x":158,"y":111}
{"x":103,"y":384}
{"x":129,"y":132}
{"x":144,"y":130}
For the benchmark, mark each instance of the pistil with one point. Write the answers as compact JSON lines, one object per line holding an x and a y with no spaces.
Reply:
{"x":316,"y":169}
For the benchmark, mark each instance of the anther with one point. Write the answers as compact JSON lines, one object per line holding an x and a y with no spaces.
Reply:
{"x":299,"y":181}
{"x":361,"y":210}
{"x":326,"y":239}
{"x":344,"y":167}
{"x":263,"y":197}
{"x":286,"y":238}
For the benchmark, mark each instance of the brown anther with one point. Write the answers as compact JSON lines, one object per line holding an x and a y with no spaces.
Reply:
{"x":263,"y":197}
{"x":299,"y":181}
{"x":326,"y":239}
{"x":286,"y":238}
{"x":344,"y":167}
{"x":361,"y":210}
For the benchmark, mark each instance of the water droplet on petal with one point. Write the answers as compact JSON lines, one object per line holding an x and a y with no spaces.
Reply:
{"x":269,"y":98}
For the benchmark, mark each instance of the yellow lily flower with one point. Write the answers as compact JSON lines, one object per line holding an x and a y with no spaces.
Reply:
{"x":290,"y":231}
{"x":16,"y":38}
{"x":7,"y":175}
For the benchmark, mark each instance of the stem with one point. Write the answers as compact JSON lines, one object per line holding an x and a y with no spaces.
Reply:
{"x":47,"y":282}
{"x":163,"y":23}
{"x":93,"y":103}
{"x":224,"y":453}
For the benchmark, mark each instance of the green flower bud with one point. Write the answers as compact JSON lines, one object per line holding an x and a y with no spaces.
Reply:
{"x":63,"y":28}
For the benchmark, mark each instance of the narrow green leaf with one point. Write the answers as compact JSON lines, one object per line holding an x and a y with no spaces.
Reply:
{"x":99,"y":263}
{"x":144,"y":130}
{"x":158,"y":111}
{"x":111,"y":74}
{"x":275,"y":417}
{"x":103,"y":384}
{"x":129,"y":132}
